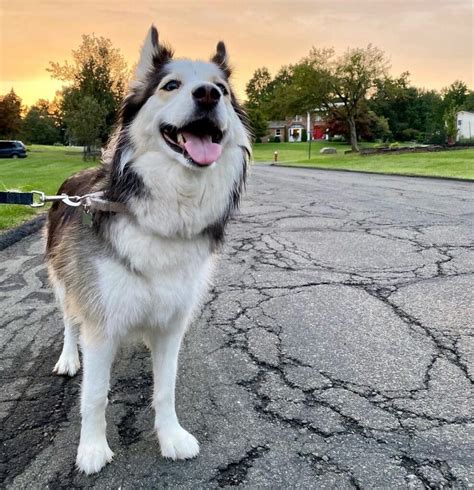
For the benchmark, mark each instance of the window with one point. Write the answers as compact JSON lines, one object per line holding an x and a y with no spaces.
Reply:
{"x":459,"y":122}
{"x":277,"y":132}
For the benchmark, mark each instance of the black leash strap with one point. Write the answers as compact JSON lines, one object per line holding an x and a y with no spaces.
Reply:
{"x":25,"y":198}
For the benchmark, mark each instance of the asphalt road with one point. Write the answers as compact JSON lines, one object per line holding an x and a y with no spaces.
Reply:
{"x":335,"y":350}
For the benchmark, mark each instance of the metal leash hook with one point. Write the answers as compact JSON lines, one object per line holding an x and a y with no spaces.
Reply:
{"x":73,"y":201}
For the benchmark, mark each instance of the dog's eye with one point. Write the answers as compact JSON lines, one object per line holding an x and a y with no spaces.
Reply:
{"x":223,"y":88}
{"x":171,"y":85}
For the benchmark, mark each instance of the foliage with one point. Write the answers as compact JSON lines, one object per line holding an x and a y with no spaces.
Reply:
{"x":10,"y":115}
{"x":99,"y":72}
{"x":258,"y":122}
{"x":321,"y":80}
{"x":451,"y":123}
{"x":411,"y":113}
{"x":259,"y":89}
{"x":85,"y":119}
{"x":39,"y":125}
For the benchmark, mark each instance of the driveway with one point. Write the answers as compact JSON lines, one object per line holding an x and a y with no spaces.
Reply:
{"x":335,"y":350}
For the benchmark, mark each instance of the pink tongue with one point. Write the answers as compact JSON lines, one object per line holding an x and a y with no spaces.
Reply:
{"x":202,"y":150}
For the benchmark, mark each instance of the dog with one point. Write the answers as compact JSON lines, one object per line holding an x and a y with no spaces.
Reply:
{"x":173,"y":173}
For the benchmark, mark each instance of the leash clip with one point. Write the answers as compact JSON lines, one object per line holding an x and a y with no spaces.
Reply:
{"x":39,"y":203}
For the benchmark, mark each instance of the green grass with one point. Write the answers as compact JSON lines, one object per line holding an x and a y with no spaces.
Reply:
{"x":45,"y":169}
{"x":456,"y":163}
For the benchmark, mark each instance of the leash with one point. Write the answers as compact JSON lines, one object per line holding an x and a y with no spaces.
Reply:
{"x":90,"y":202}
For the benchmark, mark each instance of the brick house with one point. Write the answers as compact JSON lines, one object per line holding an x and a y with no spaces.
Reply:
{"x":291,"y":129}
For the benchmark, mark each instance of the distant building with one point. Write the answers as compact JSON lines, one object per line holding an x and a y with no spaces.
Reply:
{"x":276,"y":129}
{"x":291,"y":129}
{"x":465,"y":125}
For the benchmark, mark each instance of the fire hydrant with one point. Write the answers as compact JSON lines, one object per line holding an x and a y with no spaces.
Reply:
{"x":275,"y":157}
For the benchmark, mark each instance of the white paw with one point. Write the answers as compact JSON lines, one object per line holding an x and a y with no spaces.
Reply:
{"x":177,"y":443}
{"x":67,"y":365}
{"x":92,"y":458}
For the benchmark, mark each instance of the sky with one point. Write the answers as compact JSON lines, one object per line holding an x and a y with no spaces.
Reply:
{"x":432,"y":39}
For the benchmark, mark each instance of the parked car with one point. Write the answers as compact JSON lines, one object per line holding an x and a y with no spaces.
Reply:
{"x":12,"y":149}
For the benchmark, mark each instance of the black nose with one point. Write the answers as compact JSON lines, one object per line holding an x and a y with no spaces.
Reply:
{"x":206,"y":97}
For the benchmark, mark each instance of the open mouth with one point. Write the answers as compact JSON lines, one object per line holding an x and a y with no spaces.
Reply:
{"x":199,"y":141}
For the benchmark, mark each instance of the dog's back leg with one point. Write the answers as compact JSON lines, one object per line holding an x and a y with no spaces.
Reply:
{"x":68,"y":363}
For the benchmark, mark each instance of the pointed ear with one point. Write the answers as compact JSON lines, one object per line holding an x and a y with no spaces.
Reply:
{"x":152,"y":54}
{"x":221,"y":59}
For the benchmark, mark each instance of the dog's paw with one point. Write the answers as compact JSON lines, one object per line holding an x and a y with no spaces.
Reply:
{"x":67,"y":365}
{"x":177,"y":443}
{"x":92,"y":458}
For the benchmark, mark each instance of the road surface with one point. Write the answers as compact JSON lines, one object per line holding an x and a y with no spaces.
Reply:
{"x":335,"y":350}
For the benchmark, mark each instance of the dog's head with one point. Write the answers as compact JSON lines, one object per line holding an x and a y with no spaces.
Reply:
{"x":182,"y":107}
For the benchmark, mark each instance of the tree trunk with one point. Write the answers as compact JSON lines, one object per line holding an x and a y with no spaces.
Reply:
{"x":352,"y":127}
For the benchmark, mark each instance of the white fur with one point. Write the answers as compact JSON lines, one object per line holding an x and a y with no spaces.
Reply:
{"x":162,"y":261}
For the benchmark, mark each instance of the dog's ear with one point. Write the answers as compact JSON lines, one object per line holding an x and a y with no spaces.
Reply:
{"x":221,"y":59}
{"x":152,"y":55}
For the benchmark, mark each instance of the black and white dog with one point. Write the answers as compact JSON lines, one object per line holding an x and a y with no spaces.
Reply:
{"x":176,"y":167}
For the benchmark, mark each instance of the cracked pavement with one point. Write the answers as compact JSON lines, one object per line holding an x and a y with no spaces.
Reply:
{"x":334,"y":350}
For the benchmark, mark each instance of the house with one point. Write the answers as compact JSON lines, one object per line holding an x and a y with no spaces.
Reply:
{"x":465,"y":125}
{"x":292,"y":129}
{"x":276,"y":129}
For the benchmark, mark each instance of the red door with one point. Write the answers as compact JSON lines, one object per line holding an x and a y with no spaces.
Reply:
{"x":318,"y":133}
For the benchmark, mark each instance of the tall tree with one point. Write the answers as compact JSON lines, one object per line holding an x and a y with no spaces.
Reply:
{"x":39,"y":125}
{"x":85,"y":122}
{"x":10,"y":115}
{"x":258,"y":89}
{"x":323,"y":81}
{"x":98,"y":71}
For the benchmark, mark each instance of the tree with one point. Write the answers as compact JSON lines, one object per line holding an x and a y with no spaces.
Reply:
{"x":39,"y":126}
{"x":322,"y":81}
{"x":258,"y":122}
{"x":10,"y":115}
{"x":259,"y":89}
{"x":411,"y":113}
{"x":98,"y":71}
{"x":85,"y":121}
{"x":455,"y":95}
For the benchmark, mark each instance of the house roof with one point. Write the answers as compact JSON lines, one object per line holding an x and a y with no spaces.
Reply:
{"x":276,"y":124}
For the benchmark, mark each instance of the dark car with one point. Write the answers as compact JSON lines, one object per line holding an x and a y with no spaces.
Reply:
{"x":12,"y":149}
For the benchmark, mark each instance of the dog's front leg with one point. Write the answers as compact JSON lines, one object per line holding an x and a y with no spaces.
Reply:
{"x":175,"y":442}
{"x":94,"y":452}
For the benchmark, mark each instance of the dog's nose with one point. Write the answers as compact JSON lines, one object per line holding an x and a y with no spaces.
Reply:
{"x":206,"y":96}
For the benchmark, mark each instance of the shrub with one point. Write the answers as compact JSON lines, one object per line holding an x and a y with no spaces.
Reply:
{"x":258,"y":139}
{"x":304,"y":135}
{"x":276,"y":139}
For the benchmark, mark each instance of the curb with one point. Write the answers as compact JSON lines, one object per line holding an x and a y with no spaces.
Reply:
{"x":327,"y":169}
{"x":26,"y":229}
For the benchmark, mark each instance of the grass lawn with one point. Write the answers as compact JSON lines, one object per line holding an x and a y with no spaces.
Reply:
{"x":456,"y":163}
{"x":44,"y":169}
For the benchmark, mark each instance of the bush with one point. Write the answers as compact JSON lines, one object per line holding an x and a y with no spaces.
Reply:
{"x":58,"y":144}
{"x":258,"y":139}
{"x":411,"y":134}
{"x":304,"y":135}
{"x":394,"y":146}
{"x":276,"y":139}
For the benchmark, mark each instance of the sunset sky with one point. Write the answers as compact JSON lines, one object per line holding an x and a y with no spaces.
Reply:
{"x":432,"y":39}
